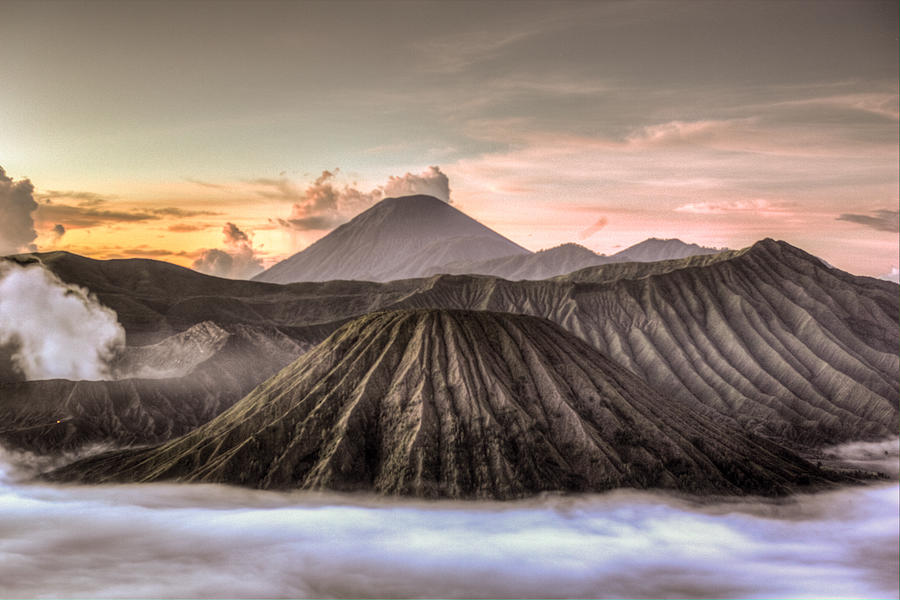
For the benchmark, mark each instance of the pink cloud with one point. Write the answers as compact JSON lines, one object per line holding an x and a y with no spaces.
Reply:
{"x":758,"y":206}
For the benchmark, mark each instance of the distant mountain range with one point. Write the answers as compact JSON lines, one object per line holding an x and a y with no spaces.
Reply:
{"x":420,"y":236}
{"x":567,"y":258}
{"x":459,"y":404}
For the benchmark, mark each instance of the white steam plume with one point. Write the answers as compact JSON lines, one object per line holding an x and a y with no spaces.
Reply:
{"x":57,"y":330}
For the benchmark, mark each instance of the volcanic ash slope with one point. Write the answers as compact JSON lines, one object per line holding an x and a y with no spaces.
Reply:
{"x":458,"y":404}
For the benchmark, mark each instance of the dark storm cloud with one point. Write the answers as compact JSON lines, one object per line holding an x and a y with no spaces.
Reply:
{"x":16,"y":221}
{"x":880,"y":220}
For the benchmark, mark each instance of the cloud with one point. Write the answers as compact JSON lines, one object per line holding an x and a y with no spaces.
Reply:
{"x":894,"y":275}
{"x":431,"y":182}
{"x":186,"y":227}
{"x":87,"y":209}
{"x":57,"y":330}
{"x":324,"y":200}
{"x":588,"y":232}
{"x":81,"y":198}
{"x":757,"y":206}
{"x":212,"y":541}
{"x":325,"y":203}
{"x":206,"y":184}
{"x":16,"y":222}
{"x":880,"y":220}
{"x":315,"y":223}
{"x":238,"y":261}
{"x":58,"y":231}
{"x":171,"y":211}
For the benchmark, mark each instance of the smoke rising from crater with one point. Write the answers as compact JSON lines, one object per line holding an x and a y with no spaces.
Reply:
{"x":56,"y":330}
{"x":217,"y":541}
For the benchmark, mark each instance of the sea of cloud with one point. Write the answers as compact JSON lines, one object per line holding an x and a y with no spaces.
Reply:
{"x":188,"y":540}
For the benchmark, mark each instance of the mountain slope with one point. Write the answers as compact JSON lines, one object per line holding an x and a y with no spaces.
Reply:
{"x":769,"y":337}
{"x":205,"y":377}
{"x":567,"y":258}
{"x":458,"y":404}
{"x":398,"y":238}
{"x":538,"y":265}
{"x":654,"y":249}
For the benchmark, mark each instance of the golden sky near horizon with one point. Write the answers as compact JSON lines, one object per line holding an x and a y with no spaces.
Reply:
{"x":146,"y":127}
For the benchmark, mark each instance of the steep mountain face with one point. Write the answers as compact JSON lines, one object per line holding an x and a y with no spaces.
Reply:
{"x":568,"y":258}
{"x":538,"y":265}
{"x":459,"y":404}
{"x":209,"y":369}
{"x":654,"y":249}
{"x":398,"y":238}
{"x":768,"y":338}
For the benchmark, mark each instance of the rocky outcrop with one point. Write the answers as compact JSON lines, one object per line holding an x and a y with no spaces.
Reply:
{"x":459,"y":404}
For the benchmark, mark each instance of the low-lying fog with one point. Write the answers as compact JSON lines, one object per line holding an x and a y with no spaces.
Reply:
{"x":217,"y":541}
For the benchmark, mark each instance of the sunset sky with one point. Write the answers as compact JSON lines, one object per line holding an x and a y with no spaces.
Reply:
{"x":145,"y":128}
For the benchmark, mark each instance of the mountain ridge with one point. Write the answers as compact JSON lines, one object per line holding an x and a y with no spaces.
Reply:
{"x":767,"y":337}
{"x":458,"y":404}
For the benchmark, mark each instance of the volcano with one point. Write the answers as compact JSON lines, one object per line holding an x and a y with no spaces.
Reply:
{"x":398,"y":238}
{"x":458,"y":404}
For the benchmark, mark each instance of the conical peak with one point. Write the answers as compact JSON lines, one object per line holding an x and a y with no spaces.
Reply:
{"x":457,"y":403}
{"x":415,"y":199}
{"x":406,"y":205}
{"x":424,"y":322}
